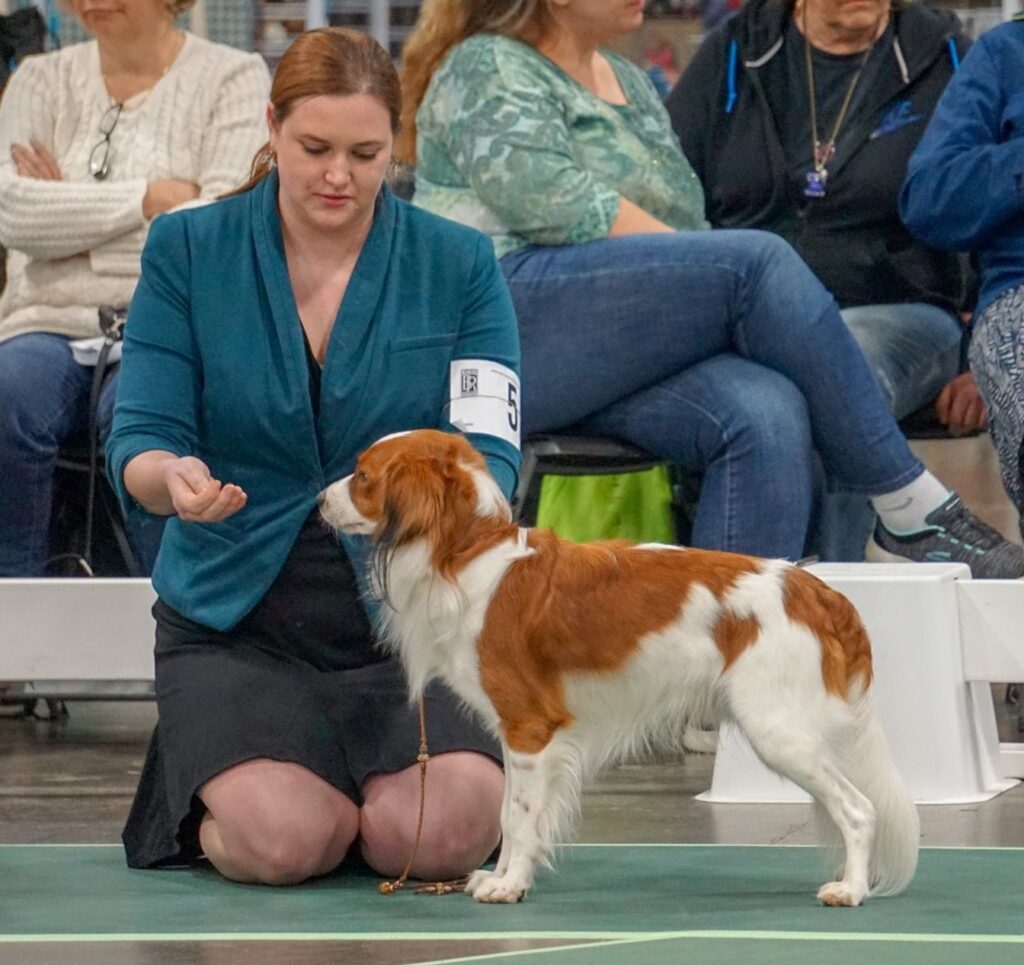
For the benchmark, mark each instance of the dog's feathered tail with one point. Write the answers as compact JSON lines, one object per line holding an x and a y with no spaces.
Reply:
{"x":861,"y":752}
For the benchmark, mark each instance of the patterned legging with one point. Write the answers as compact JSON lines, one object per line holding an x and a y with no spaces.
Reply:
{"x":997,"y":360}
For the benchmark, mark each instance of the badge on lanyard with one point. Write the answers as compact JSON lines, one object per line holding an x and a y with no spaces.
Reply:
{"x":815,"y":186}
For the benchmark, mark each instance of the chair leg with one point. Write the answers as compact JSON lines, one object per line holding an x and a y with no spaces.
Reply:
{"x":67,"y":552}
{"x":1015,"y":698}
{"x":527,"y":470}
{"x":113,"y":511}
{"x":685,"y":495}
{"x":55,"y":709}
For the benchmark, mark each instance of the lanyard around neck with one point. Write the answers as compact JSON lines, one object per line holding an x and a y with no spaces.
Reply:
{"x":823,"y":151}
{"x":817,"y":178}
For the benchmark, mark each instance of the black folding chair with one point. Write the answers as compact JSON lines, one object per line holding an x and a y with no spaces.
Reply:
{"x":82,"y":456}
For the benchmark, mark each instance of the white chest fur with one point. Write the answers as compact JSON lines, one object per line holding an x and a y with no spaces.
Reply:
{"x":434,"y":624}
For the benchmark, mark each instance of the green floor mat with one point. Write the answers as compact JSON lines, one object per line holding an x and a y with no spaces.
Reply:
{"x":760,"y":951}
{"x":601,"y":890}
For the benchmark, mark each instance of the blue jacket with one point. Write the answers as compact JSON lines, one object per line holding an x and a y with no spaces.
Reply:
{"x":215,"y":367}
{"x":965,"y":184}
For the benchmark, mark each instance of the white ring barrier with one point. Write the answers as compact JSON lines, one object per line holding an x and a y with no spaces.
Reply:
{"x":938,"y":639}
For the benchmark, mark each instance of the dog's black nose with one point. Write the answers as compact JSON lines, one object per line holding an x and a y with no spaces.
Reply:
{"x":321,"y":498}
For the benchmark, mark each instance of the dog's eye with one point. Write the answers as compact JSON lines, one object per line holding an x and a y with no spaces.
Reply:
{"x":361,"y":476}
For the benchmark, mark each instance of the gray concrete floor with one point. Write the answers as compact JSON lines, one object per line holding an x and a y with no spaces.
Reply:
{"x":71,"y":781}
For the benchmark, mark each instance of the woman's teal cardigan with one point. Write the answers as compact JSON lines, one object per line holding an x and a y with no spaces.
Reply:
{"x":215,"y":367}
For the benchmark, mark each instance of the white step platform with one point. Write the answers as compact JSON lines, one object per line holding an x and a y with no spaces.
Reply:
{"x":938,"y":640}
{"x":76,"y":630}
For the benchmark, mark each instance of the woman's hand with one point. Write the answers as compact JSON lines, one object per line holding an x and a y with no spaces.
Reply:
{"x":196,"y":496}
{"x":167,"y":193}
{"x":34,"y":161}
{"x":960,"y":406}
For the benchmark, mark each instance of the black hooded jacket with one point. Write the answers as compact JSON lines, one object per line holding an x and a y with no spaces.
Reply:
{"x":852,"y":238}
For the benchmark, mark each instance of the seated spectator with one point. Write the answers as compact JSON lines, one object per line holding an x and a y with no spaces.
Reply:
{"x":716,"y":350}
{"x":96,"y":140}
{"x":251,"y":380}
{"x":800,"y":119}
{"x":965,"y":190}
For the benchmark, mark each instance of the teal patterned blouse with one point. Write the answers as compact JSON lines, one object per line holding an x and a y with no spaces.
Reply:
{"x":513,"y":146}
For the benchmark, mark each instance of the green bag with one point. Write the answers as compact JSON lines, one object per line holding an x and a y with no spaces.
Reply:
{"x":634,"y":506}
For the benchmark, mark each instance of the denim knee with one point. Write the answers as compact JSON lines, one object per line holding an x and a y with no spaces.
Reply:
{"x":780,"y":296}
{"x":25,"y":424}
{"x":43,"y":392}
{"x":772,"y":252}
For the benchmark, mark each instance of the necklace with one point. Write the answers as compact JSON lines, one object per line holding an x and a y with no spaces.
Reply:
{"x":179,"y":42}
{"x":817,"y":177}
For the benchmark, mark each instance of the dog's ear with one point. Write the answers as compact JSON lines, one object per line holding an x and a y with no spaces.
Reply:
{"x":471,"y":486}
{"x":413,"y":502}
{"x":413,"y":507}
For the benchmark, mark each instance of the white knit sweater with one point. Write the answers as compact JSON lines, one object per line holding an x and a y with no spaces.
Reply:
{"x":75,"y":243}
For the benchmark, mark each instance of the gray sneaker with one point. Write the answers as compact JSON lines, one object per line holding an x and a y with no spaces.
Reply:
{"x":953,"y":535}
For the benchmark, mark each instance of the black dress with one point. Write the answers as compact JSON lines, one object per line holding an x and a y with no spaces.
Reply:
{"x":298,"y":679}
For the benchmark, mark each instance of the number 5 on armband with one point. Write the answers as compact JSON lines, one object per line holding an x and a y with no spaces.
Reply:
{"x":484,"y":398}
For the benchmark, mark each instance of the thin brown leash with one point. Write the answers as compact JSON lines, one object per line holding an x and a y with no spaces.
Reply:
{"x":437,"y":887}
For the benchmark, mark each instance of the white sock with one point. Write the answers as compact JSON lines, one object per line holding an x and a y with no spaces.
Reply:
{"x":903,"y":510}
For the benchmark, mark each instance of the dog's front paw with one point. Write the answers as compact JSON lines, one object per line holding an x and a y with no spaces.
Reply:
{"x":492,"y":888}
{"x":476,"y":879}
{"x":840,"y":894}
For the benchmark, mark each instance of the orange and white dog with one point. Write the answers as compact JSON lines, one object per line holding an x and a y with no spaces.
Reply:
{"x":576,"y":655}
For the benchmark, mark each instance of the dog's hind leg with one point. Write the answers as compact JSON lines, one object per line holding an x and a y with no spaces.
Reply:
{"x":791,"y":748}
{"x":540,"y":790}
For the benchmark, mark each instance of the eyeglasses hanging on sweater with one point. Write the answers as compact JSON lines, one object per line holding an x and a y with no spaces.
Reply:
{"x":99,"y":156}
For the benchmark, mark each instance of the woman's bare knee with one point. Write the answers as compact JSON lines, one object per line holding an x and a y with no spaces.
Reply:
{"x":281,"y":856}
{"x":275,"y":823}
{"x":461,"y":822}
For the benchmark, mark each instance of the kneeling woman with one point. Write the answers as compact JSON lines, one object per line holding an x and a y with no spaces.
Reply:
{"x":273,"y":336}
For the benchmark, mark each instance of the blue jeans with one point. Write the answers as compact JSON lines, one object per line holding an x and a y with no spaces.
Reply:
{"x":44,"y":401}
{"x":913,"y":349}
{"x":719,"y":351}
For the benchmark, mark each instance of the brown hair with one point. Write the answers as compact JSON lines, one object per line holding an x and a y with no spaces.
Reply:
{"x":442,"y":25}
{"x":331,"y":61}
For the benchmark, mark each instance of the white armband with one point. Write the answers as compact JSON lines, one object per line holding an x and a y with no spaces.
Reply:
{"x":484,"y":397}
